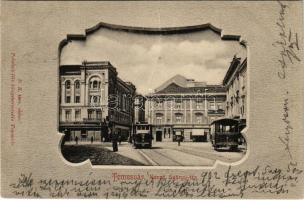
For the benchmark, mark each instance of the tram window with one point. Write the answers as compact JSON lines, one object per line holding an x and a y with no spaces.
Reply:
{"x":227,"y":128}
{"x":217,"y":127}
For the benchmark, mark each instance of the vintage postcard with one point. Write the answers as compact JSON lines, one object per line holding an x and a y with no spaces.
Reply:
{"x":152,"y":99}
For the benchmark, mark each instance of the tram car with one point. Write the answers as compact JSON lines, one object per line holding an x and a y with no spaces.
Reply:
{"x":142,"y":135}
{"x":225,"y":132}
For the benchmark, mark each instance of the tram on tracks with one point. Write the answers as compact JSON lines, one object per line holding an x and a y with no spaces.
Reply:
{"x":226,"y":132}
{"x":142,"y":135}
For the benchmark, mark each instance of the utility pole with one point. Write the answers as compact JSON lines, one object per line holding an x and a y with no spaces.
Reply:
{"x":206,"y":109}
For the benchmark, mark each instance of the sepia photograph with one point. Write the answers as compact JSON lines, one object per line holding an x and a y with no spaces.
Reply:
{"x":158,"y":97}
{"x":152,"y":99}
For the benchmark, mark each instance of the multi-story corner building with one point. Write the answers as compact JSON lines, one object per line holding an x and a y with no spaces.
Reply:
{"x":139,"y":108}
{"x":185,"y":106}
{"x":92,"y":96}
{"x":235,"y":83}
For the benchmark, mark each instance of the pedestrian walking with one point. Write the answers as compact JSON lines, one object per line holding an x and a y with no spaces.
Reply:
{"x":92,"y":139}
{"x":179,"y":139}
{"x":114,"y":141}
{"x":119,"y":138}
{"x":76,"y":140}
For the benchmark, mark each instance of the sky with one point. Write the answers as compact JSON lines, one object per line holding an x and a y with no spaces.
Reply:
{"x":150,"y":60}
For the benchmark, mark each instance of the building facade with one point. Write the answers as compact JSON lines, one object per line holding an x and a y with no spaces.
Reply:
{"x":139,"y":108}
{"x":184,"y":106}
{"x":235,"y":82}
{"x":92,"y":99}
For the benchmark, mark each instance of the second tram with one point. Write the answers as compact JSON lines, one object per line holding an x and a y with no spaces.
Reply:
{"x":142,"y":135}
{"x":225,"y":132}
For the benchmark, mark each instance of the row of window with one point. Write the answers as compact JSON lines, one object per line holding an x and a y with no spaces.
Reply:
{"x":236,"y":108}
{"x":68,"y":85}
{"x":93,"y":99}
{"x":213,"y":106}
{"x":92,"y":114}
{"x":179,"y":119}
{"x":68,"y":115}
{"x":76,"y":100}
{"x":237,"y":84}
{"x":94,"y":83}
{"x":123,"y":101}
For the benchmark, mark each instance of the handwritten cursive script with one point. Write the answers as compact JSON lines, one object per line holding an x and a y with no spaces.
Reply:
{"x":288,"y":42}
{"x":211,"y":184}
{"x":288,"y":128}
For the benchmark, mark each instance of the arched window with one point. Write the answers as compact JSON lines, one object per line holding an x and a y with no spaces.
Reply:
{"x":77,"y":85}
{"x":95,"y":82}
{"x":67,"y":84}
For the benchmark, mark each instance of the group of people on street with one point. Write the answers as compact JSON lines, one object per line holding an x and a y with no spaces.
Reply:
{"x":76,"y":139}
{"x":114,"y":137}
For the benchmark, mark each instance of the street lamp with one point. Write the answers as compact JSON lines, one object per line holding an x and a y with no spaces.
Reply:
{"x":206,"y":109}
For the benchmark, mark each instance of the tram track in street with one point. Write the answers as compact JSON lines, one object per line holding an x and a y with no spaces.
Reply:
{"x":157,"y":158}
{"x":207,"y":154}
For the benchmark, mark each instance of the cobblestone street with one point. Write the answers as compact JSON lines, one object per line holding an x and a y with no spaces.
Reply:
{"x":97,"y":153}
{"x":161,"y":154}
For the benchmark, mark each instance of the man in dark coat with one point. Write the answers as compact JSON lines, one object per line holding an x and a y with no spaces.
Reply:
{"x":114,"y":138}
{"x":92,"y":139}
{"x":114,"y":142}
{"x":119,"y":137}
{"x":76,"y":140}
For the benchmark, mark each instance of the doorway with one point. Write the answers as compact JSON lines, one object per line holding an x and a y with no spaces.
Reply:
{"x":159,"y":135}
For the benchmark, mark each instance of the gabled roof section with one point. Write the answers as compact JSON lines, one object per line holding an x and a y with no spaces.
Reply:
{"x":175,"y":89}
{"x":172,"y":88}
{"x":180,"y":84}
{"x":178,"y":80}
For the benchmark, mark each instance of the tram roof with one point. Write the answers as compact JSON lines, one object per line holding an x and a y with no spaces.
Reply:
{"x":226,"y":121}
